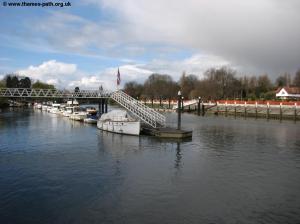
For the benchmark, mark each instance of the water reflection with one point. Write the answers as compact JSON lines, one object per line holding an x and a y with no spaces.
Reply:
{"x":178,"y":156}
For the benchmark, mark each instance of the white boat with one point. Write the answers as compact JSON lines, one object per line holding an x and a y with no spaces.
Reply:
{"x":55,"y":108}
{"x":78,"y":116}
{"x":119,"y":121}
{"x":37,"y":106}
{"x":44,"y":107}
{"x":90,"y":120}
{"x":68,"y":111}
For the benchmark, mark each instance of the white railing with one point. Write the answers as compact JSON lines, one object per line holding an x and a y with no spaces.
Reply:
{"x":146,"y":114}
{"x":52,"y":93}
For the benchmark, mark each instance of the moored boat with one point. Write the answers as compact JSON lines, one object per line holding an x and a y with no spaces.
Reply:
{"x":119,"y":121}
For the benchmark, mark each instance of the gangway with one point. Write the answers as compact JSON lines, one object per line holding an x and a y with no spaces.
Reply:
{"x":146,"y":114}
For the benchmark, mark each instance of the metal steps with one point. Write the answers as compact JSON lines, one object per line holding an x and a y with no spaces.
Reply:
{"x":146,"y":114}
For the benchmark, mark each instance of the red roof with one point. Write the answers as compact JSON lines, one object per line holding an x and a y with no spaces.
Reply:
{"x":290,"y":90}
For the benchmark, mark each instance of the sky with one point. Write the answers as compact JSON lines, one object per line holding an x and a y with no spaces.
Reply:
{"x":84,"y":44}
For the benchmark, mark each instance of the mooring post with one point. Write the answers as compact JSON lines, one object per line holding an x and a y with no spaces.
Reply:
{"x":152,"y":102}
{"x":199,"y":105}
{"x":245,"y":109}
{"x":160,"y":102}
{"x":217,"y":108}
{"x":169,"y":103}
{"x":179,"y":111}
{"x":256,"y":110}
{"x":280,"y":111}
{"x":235,"y":109}
{"x":295,"y":112}
{"x":226,"y":109}
{"x":268,"y":110}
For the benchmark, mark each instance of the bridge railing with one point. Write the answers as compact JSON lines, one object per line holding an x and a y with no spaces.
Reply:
{"x":52,"y":93}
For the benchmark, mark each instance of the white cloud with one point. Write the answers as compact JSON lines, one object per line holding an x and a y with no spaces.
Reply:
{"x":64,"y":75}
{"x":51,"y":72}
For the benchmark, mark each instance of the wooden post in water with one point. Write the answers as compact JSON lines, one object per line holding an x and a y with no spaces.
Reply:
{"x":245,"y":109}
{"x":152,"y":102}
{"x":295,"y":112}
{"x":256,"y":110}
{"x":268,"y":110}
{"x":169,"y":103}
{"x":179,"y":111}
{"x":217,"y":108}
{"x":160,"y":102}
{"x":280,"y":112}
{"x":234,"y":109}
{"x":226,"y":109}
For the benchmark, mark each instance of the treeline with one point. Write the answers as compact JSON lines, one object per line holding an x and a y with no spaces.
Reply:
{"x":15,"y":81}
{"x":217,"y":83}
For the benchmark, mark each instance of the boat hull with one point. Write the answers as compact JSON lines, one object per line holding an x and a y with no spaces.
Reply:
{"x":120,"y":127}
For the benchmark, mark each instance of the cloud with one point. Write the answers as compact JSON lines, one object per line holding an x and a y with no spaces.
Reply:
{"x":51,"y":72}
{"x":259,"y":34}
{"x":64,"y":75}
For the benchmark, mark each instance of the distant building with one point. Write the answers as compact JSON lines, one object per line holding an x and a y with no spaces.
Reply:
{"x":288,"y":92}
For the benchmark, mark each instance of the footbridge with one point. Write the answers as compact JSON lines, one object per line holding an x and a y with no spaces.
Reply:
{"x":146,"y":114}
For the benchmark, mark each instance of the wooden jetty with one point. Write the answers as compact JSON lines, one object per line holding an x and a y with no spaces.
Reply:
{"x":167,"y":133}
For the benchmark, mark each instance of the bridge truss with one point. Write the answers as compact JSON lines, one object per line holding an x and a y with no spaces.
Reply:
{"x":144,"y":113}
{"x":53,"y":93}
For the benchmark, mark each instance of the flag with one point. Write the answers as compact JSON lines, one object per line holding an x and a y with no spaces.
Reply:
{"x":118,"y":78}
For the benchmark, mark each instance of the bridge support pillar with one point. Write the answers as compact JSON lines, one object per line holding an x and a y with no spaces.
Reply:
{"x":105,"y":105}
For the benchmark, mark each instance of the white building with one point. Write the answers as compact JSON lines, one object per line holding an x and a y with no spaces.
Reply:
{"x":288,"y":92}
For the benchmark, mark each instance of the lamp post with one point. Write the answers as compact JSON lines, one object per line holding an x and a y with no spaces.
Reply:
{"x":179,"y":111}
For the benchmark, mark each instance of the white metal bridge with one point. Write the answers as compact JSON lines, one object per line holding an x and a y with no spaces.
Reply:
{"x":146,"y":114}
{"x":52,"y":93}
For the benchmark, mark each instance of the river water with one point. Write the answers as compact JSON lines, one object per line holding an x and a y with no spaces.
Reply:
{"x":53,"y":170}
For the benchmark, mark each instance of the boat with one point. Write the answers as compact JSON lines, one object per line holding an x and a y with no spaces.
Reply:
{"x":78,"y":114}
{"x":91,"y":110}
{"x":69,"y":110}
{"x":55,"y":108}
{"x":119,"y":121}
{"x":91,"y":119}
{"x":44,"y":107}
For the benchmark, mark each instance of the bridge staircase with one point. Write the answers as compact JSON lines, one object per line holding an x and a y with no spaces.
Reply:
{"x":146,"y":114}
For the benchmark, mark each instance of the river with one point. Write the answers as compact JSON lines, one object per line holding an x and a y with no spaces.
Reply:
{"x":53,"y":170}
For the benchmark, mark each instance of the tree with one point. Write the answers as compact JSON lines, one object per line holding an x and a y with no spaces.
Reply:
{"x":133,"y":89}
{"x":297,"y":79}
{"x":40,"y":85}
{"x":160,"y":86}
{"x":12,"y":81}
{"x":25,"y":83}
{"x":283,"y":80}
{"x":263,"y":84}
{"x":187,"y":84}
